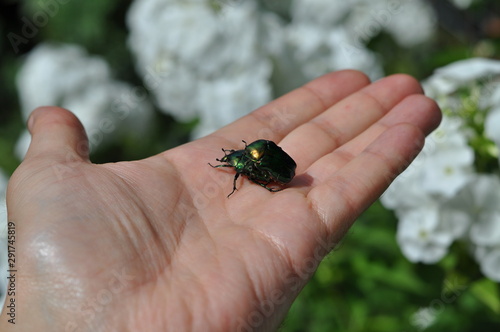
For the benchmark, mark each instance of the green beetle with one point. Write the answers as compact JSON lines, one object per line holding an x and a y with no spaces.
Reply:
{"x":262,"y":161}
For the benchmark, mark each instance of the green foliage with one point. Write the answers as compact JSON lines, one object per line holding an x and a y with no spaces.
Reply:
{"x":474,"y":117}
{"x":367,"y":285}
{"x":11,"y":122}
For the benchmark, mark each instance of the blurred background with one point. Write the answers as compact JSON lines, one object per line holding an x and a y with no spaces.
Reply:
{"x":147,"y":75}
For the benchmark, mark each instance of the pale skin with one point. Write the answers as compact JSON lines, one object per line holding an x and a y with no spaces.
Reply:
{"x":155,"y":244}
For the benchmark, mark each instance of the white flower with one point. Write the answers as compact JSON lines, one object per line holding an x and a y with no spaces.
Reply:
{"x":426,"y":231}
{"x":67,"y":76}
{"x":480,"y":200}
{"x":492,"y":122}
{"x":482,"y":197}
{"x":448,"y":79}
{"x":187,"y":27}
{"x":423,"y":318}
{"x":480,"y":203}
{"x":462,"y":4}
{"x":448,"y":159}
{"x":51,"y":73}
{"x":420,"y":236}
{"x":489,"y":261}
{"x":409,"y":22}
{"x":440,"y":198}
{"x":442,"y":168}
{"x":492,"y":126}
{"x":328,"y":35}
{"x":220,"y":101}
{"x":406,"y":191}
{"x":191,"y":53}
{"x":486,"y":230}
{"x":454,"y":221}
{"x":316,"y":51}
{"x":325,"y":13}
{"x":319,"y":40}
{"x":428,"y":222}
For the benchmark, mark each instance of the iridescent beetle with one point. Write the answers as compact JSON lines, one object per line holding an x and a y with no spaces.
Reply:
{"x":262,"y":161}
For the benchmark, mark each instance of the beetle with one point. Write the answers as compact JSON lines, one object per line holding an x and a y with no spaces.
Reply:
{"x":262,"y":162}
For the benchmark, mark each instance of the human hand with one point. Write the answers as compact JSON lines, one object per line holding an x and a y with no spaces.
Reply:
{"x":155,"y":245}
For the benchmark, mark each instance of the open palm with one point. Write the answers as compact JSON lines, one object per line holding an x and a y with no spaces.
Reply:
{"x":155,"y":245}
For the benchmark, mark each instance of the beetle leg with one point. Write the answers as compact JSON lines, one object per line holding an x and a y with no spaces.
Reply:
{"x":244,"y":142}
{"x":222,"y":165}
{"x":234,"y":184}
{"x":273,"y":190}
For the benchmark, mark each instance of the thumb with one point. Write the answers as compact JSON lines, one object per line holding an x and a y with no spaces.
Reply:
{"x":57,"y":134}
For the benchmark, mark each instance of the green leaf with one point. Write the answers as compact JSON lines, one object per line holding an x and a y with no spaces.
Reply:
{"x":487,"y":291}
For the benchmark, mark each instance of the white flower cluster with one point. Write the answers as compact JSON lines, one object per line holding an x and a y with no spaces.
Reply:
{"x":441,"y":198}
{"x":408,"y":22}
{"x":66,"y":76}
{"x":216,"y":60}
{"x":203,"y":60}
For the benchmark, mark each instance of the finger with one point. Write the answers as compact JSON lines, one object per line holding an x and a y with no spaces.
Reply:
{"x":342,"y":195}
{"x":57,"y":134}
{"x":276,"y":119}
{"x":418,"y":110}
{"x":348,"y":118}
